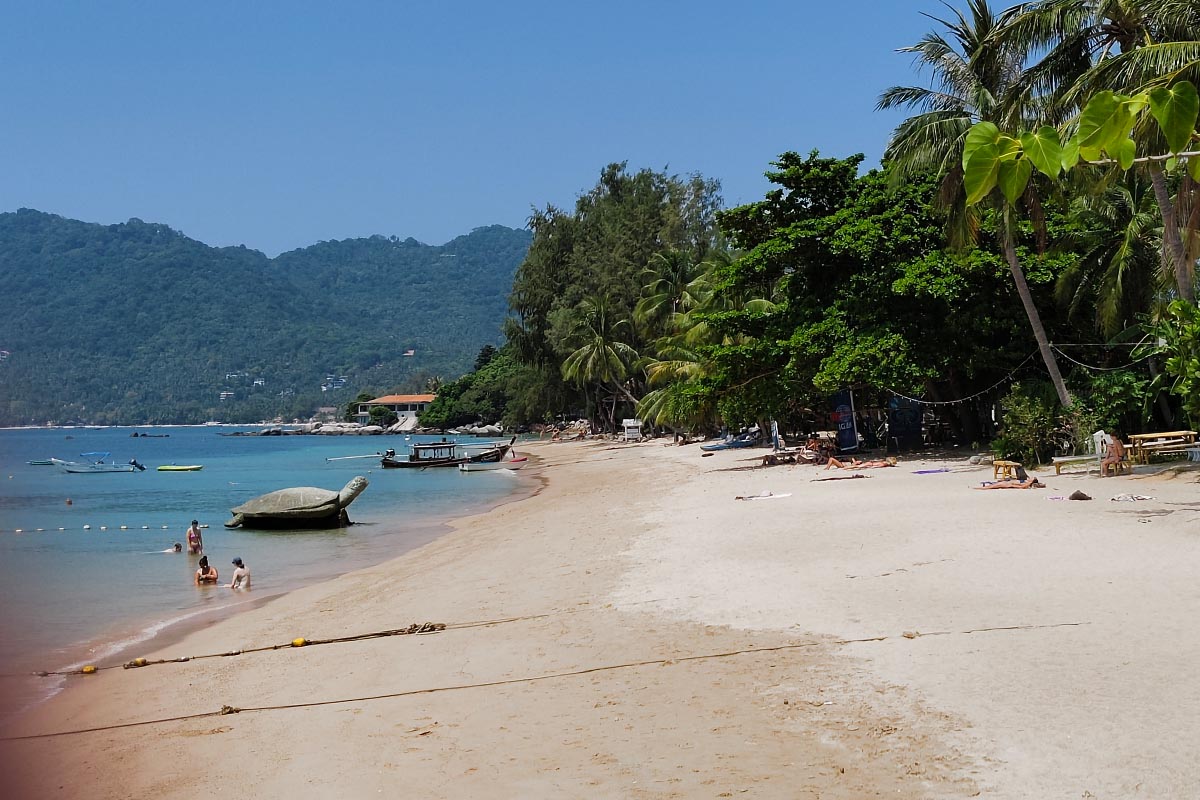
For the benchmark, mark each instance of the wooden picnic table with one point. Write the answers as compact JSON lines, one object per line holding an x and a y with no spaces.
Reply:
{"x":1144,"y":445}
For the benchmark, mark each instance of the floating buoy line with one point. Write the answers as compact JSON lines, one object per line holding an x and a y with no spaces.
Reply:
{"x":90,"y":527}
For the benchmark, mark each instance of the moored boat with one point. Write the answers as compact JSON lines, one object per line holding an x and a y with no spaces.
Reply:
{"x":488,"y":466}
{"x":444,"y":454}
{"x":97,"y":462}
{"x":181,"y":468}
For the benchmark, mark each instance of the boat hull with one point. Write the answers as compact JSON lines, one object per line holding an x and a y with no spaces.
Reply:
{"x":86,"y":469}
{"x":488,"y":466}
{"x":181,"y":468}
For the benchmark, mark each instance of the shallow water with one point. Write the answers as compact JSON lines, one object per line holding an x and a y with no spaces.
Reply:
{"x":75,"y":596}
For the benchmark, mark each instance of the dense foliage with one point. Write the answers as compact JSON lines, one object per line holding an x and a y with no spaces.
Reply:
{"x":137,"y":323}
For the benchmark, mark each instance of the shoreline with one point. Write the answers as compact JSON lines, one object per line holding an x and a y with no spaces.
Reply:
{"x":119,"y":644}
{"x":632,"y":631}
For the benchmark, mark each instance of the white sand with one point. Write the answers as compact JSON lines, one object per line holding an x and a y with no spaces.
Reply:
{"x":640,"y":553}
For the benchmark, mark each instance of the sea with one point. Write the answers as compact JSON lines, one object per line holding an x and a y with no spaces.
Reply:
{"x":84,"y":578}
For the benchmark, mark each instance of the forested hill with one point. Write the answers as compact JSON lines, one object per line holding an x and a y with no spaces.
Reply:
{"x":136,"y":323}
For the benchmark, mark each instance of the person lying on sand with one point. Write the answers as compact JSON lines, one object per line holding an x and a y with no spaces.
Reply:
{"x":856,"y":464}
{"x":1013,"y":483}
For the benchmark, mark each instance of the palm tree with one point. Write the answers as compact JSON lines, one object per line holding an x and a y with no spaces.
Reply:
{"x":1121,"y":45}
{"x":678,"y":367}
{"x":601,"y":356}
{"x":673,"y":287}
{"x":1119,"y":271}
{"x":975,"y":77}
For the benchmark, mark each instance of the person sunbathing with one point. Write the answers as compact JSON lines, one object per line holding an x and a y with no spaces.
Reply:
{"x":1013,"y":483}
{"x":857,"y":464}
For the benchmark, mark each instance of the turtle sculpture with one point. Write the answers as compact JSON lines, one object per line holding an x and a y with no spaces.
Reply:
{"x":302,"y":507}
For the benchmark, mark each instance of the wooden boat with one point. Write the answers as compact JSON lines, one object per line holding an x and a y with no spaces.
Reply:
{"x":41,"y":462}
{"x":97,"y":462}
{"x":488,"y":466}
{"x":444,"y":454}
{"x":181,"y":468}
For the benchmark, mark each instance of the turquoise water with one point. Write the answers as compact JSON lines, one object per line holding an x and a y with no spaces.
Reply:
{"x":76,"y":596}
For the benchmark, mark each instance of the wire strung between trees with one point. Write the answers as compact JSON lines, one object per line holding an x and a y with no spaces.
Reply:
{"x":968,"y":398}
{"x":1093,"y":367}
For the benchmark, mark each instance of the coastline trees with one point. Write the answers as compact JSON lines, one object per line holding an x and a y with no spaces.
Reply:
{"x":575,"y":297}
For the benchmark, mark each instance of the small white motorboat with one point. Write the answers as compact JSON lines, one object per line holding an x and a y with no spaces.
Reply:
{"x":97,"y":462}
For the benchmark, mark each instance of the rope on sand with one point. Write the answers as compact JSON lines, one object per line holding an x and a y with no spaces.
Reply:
{"x":228,"y":709}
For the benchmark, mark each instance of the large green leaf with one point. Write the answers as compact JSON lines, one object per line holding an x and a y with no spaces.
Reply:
{"x":1105,"y":121}
{"x":980,"y":135}
{"x":979,"y":174}
{"x":1070,"y":153}
{"x":1126,"y":152}
{"x":1044,"y":150}
{"x":1012,"y":178}
{"x":1176,"y":109}
{"x":1193,"y":167}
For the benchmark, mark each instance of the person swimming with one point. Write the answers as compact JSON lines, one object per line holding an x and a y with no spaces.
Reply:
{"x":176,"y":548}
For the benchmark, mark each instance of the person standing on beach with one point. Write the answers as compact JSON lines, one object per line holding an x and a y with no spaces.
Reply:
{"x":206,"y":573}
{"x":241,"y":575}
{"x":195,"y":542}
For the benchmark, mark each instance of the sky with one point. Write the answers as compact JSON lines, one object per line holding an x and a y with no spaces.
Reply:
{"x":275,"y":125}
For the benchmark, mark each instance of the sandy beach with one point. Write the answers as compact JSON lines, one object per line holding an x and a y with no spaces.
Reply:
{"x":633,"y":631}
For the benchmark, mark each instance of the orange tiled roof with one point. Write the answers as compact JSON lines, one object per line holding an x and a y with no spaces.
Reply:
{"x":402,"y":398}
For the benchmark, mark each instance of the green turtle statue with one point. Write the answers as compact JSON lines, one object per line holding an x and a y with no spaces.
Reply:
{"x":301,"y":507}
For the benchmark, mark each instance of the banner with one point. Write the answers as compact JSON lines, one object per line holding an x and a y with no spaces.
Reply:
{"x":904,"y":424}
{"x":843,"y":417}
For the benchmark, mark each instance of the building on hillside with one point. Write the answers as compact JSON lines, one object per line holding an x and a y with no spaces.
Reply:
{"x":404,"y":405}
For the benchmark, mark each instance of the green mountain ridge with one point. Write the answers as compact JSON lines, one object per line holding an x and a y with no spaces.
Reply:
{"x":136,"y":323}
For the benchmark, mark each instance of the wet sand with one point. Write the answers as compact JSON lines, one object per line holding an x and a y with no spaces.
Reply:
{"x":650,"y":636}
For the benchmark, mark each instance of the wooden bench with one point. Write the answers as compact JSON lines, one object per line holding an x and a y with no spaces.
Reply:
{"x":1091,"y":459}
{"x":1005,"y":470}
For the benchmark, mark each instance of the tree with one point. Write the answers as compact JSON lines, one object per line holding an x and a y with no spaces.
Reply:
{"x":486,"y":354}
{"x":1123,"y":47}
{"x":975,"y":75}
{"x":1117,"y":276}
{"x":383,"y":416}
{"x":601,"y":356}
{"x":601,"y":248}
{"x":351,"y":412}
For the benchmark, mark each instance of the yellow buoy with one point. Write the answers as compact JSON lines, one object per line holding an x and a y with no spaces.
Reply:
{"x":88,"y":670}
{"x":299,"y":642}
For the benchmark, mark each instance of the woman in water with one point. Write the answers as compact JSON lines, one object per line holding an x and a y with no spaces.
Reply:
{"x":206,"y":573}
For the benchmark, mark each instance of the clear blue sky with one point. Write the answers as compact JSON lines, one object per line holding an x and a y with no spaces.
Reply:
{"x":278,"y":124}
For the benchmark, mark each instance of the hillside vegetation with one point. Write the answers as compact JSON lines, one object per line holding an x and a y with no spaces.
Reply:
{"x":136,"y":323}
